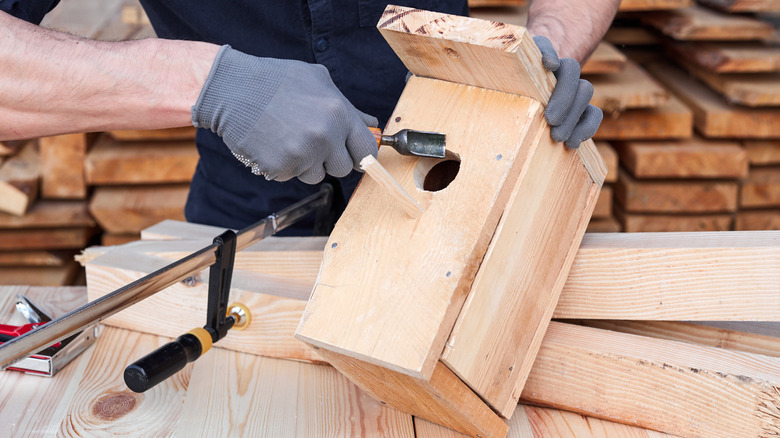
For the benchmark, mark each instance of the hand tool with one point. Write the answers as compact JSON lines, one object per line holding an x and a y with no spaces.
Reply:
{"x":53,"y":358}
{"x":413,"y":143}
{"x":219,"y":256}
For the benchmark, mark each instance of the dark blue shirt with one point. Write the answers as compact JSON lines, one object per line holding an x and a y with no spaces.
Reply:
{"x":340,"y":34}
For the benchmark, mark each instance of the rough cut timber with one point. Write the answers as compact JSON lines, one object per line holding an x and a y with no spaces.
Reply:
{"x":634,"y":379}
{"x":655,"y":222}
{"x":20,"y":180}
{"x":603,"y":207}
{"x":131,"y":209}
{"x":62,"y":166}
{"x":761,"y":189}
{"x":35,"y":258}
{"x":610,"y":157}
{"x":755,"y":89}
{"x":713,"y":116}
{"x":524,"y":179}
{"x":672,"y":120}
{"x":694,"y":158}
{"x":761,"y":153}
{"x":744,"y":5}
{"x":758,"y":220}
{"x":185,"y":133}
{"x":621,"y":36}
{"x":605,"y":225}
{"x":630,"y":88}
{"x":147,"y":162}
{"x":701,"y":24}
{"x":729,"y":57}
{"x":650,"y":5}
{"x":675,"y":196}
{"x":605,"y":59}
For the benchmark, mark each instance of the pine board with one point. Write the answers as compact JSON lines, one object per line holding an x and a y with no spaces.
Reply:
{"x":131,"y":209}
{"x":622,"y":36}
{"x":712,"y":115}
{"x":62,"y":166}
{"x":762,"y":153}
{"x":604,"y":225}
{"x":171,"y":134}
{"x":672,"y":120}
{"x":630,"y":88}
{"x":145,"y":162}
{"x":45,"y":238}
{"x":652,"y":5}
{"x":749,"y":89}
{"x":610,"y":157}
{"x":693,"y":158}
{"x":675,"y":196}
{"x":633,"y":379}
{"x":35,"y":258}
{"x":603,"y":208}
{"x":729,"y":57}
{"x":702,"y":24}
{"x":758,"y":220}
{"x":20,"y":180}
{"x":605,"y":59}
{"x":50,"y":214}
{"x":643,"y":223}
{"x":761,"y":189}
{"x":108,"y":239}
{"x":744,"y":5}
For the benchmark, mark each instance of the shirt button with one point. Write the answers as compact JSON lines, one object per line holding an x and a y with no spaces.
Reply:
{"x":321,"y":45}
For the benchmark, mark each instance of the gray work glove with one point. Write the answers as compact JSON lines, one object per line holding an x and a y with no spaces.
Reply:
{"x":572,"y":118}
{"x":283,"y":118}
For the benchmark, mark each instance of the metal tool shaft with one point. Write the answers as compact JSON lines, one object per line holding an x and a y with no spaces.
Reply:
{"x":124,"y":297}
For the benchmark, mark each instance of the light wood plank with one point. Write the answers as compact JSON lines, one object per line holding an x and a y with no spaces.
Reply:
{"x":603,"y":208}
{"x":754,"y":90}
{"x":729,"y":57}
{"x":20,"y":180}
{"x":604,"y":225}
{"x":672,"y":120}
{"x":148,"y":162}
{"x":761,"y":189}
{"x":713,"y":116}
{"x":651,"y":5}
{"x":169,"y":229}
{"x":382,"y":177}
{"x":702,"y":24}
{"x":606,"y":59}
{"x":622,"y":35}
{"x":675,"y":196}
{"x":693,"y":158}
{"x":655,"y":222}
{"x":697,"y":276}
{"x":45,"y":238}
{"x":758,"y":220}
{"x":238,"y":394}
{"x":52,"y":214}
{"x":62,"y":166}
{"x":109,"y":239}
{"x":744,"y":5}
{"x":632,"y":87}
{"x":762,"y":153}
{"x":632,"y":379}
{"x":610,"y":157}
{"x":131,"y":209}
{"x":34,"y":258}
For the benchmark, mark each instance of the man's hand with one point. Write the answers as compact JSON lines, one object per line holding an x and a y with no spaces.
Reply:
{"x":572,"y":118}
{"x":283,"y":118}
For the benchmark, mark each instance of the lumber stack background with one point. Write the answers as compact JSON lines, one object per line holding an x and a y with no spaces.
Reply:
{"x":691,"y":136}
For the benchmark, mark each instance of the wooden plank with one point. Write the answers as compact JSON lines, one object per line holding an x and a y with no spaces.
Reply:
{"x":64,"y":275}
{"x":170,"y":134}
{"x":20,"y":180}
{"x":754,"y":89}
{"x":729,"y":57}
{"x":50,"y":214}
{"x":604,"y":225}
{"x":697,"y":334}
{"x":177,"y":230}
{"x":34,"y":258}
{"x":131,"y":209}
{"x":693,"y":158}
{"x":758,"y":220}
{"x":603,"y":208}
{"x":673,"y":120}
{"x":108,"y":239}
{"x":610,"y":157}
{"x":537,"y":422}
{"x":630,"y":88}
{"x":644,"y":223}
{"x":713,"y":116}
{"x":280,"y":398}
{"x":62,"y":166}
{"x":701,"y":24}
{"x":45,"y":238}
{"x":761,"y":188}
{"x":621,"y":36}
{"x":158,"y":162}
{"x":744,"y":5}
{"x":762,"y":153}
{"x":675,"y":196}
{"x":631,"y":379}
{"x":652,"y":5}
{"x":701,"y":276}
{"x":606,"y":59}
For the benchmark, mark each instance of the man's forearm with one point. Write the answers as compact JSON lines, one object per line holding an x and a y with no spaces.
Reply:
{"x":54,"y":83}
{"x":574,"y":27}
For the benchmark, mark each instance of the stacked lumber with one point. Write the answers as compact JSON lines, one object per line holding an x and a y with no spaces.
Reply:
{"x":613,"y":365}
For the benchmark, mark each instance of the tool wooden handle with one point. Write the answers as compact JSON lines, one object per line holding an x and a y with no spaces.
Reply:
{"x":377,"y":134}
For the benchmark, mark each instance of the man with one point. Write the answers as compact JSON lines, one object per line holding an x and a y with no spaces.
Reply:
{"x":285,"y":90}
